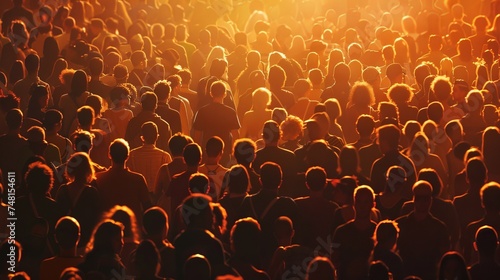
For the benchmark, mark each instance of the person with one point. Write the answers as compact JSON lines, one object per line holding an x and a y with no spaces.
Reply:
{"x":38,"y":102}
{"x":148,"y":159}
{"x":320,"y":268}
{"x":386,"y":236}
{"x":273,"y":153}
{"x":473,"y":123}
{"x":96,"y":67}
{"x":120,"y":186}
{"x":266,"y":206}
{"x":21,"y":87}
{"x":388,"y":139}
{"x":420,"y":153}
{"x":244,"y":153}
{"x":212,"y":167}
{"x":281,"y":97}
{"x":365,"y":125}
{"x":486,"y":244}
{"x":67,"y":236}
{"x":15,"y":12}
{"x":254,"y":119}
{"x":304,"y":106}
{"x":390,"y":201}
{"x":101,"y":256}
{"x":423,"y":239}
{"x":78,"y":198}
{"x":379,"y":271}
{"x":245,"y":245}
{"x":70,"y":102}
{"x":401,"y":95}
{"x":217,"y":119}
{"x":352,"y":242}
{"x":349,"y":164}
{"x":147,"y":261}
{"x":118,"y":114}
{"x":162,"y":90}
{"x":149,"y":103}
{"x":155,"y":226}
{"x":316,"y":212}
{"x":170,"y":43}
{"x":291,"y":130}
{"x":180,"y":103}
{"x":490,"y":195}
{"x":435,"y":53}
{"x":138,"y":73}
{"x":452,"y":266}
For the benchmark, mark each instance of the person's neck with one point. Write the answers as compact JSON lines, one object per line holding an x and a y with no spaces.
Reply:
{"x":365,"y":138}
{"x":420,"y":216}
{"x":192,"y":168}
{"x":212,"y":161}
{"x":284,"y":242}
{"x":116,"y":165}
{"x":86,"y":127}
{"x":67,"y":253}
{"x":273,"y":144}
{"x":362,"y":222}
{"x":218,"y":100}
{"x":51,"y":132}
{"x":316,"y":194}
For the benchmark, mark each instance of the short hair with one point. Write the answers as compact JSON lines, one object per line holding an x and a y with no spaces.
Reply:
{"x":435,"y":111}
{"x":364,"y":189}
{"x":389,"y":133}
{"x":283,"y":227}
{"x":192,"y":154}
{"x":237,"y":179}
{"x":96,"y":66}
{"x":154,"y":220}
{"x":277,"y":76}
{"x":95,"y":101}
{"x":261,"y":98}
{"x":341,"y":72}
{"x":162,"y":89}
{"x":244,"y":150}
{"x":442,"y":88}
{"x":475,"y":101}
{"x":218,"y":89}
{"x":147,"y":257}
{"x":32,"y":63}
{"x":214,"y":146}
{"x":82,"y":141}
{"x":270,"y":175}
{"x":200,"y":202}
{"x":435,"y":42}
{"x":199,"y":183}
{"x":185,"y":75}
{"x":137,"y":57}
{"x":490,"y":197}
{"x":315,"y":76}
{"x":486,"y":240}
{"x":119,"y":150}
{"x":365,"y":124}
{"x":316,"y":178}
{"x":85,"y":115}
{"x":431,"y":176}
{"x":245,"y":236}
{"x":174,"y":80}
{"x":14,"y":119}
{"x":149,"y":132}
{"x":333,"y":108}
{"x":400,"y":93}
{"x":177,"y":142}
{"x":119,"y":93}
{"x":149,"y":101}
{"x":67,"y":232}
{"x":386,"y":232}
{"x":320,"y":268}
{"x":270,"y":132}
{"x":453,"y":126}
{"x":476,"y":171}
{"x":39,"y":178}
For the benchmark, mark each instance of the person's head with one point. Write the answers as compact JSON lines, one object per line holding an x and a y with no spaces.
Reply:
{"x":464,"y":48}
{"x":301,"y":87}
{"x":453,"y":266}
{"x":197,"y":267}
{"x":276,"y":77}
{"x":177,"y":142}
{"x":138,"y":59}
{"x":261,"y":98}
{"x":395,"y":179}
{"x":107,"y":238}
{"x":421,"y":72}
{"x":80,"y":168}
{"x":379,"y":271}
{"x":149,"y":101}
{"x":419,"y":149}
{"x":192,"y":154}
{"x":124,"y":215}
{"x":119,"y":151}
{"x":435,"y":111}
{"x":39,"y":97}
{"x":149,"y":133}
{"x":491,"y":138}
{"x":120,"y":72}
{"x":186,"y":77}
{"x":270,"y":175}
{"x":119,"y":96}
{"x":71,"y":273}
{"x":271,"y":133}
{"x":386,"y":234}
{"x":486,"y":242}
{"x":460,"y":90}
{"x":279,"y":114}
{"x":362,"y":94}
{"x":480,"y":23}
{"x":198,"y":183}
{"x":79,"y":83}
{"x":197,"y":212}
{"x":476,"y":172}
{"x":244,"y":151}
{"x":162,"y":90}
{"x":147,"y":259}
{"x":245,"y":237}
{"x":435,"y":43}
{"x":238,"y":181}
{"x":320,"y":268}
{"x":95,"y":102}
{"x":422,"y":197}
{"x":441,"y":86}
{"x":39,"y":179}
{"x":365,"y":125}
{"x":52,"y":120}
{"x":155,"y":223}
{"x":291,"y":128}
{"x":342,"y":73}
{"x":364,"y":201}
{"x":454,"y":131}
{"x":218,"y":90}
{"x":315,"y":76}
{"x":388,"y":137}
{"x":490,"y":197}
{"x":395,"y":73}
{"x":400,"y":94}
{"x":431,"y":176}
{"x":349,"y":160}
{"x":490,"y":114}
{"x":32,"y":64}
{"x":85,"y":116}
{"x":316,"y":179}
{"x":67,"y":233}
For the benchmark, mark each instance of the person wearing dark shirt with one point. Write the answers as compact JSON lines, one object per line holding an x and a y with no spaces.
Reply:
{"x":468,"y":206}
{"x":266,"y":206}
{"x":341,"y":88}
{"x":315,"y":211}
{"x":486,"y":243}
{"x":172,"y":117}
{"x":280,"y":96}
{"x":120,"y":186}
{"x":352,"y":242}
{"x":423,"y":239}
{"x":473,"y":122}
{"x":386,"y":236}
{"x":133,"y":133}
{"x":490,"y":198}
{"x":273,"y":153}
{"x":244,"y":154}
{"x":217,"y":119}
{"x":138,"y":73}
{"x":388,"y":139}
{"x":17,"y":12}
{"x":96,"y":66}
{"x":390,"y":201}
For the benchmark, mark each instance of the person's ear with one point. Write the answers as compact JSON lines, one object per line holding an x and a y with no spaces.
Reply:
{"x":475,"y":246}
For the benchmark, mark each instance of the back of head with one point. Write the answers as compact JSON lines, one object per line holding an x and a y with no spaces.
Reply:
{"x":389,"y":134}
{"x":378,"y":271}
{"x":198,"y":211}
{"x":149,"y":101}
{"x":85,"y":116}
{"x":476,"y":172}
{"x":51,"y":119}
{"x":486,"y":241}
{"x":244,"y":151}
{"x":192,"y":154}
{"x":320,"y":268}
{"x":197,"y":267}
{"x":435,"y":43}
{"x":316,"y":178}
{"x":14,"y":119}
{"x":67,"y":232}
{"x":177,"y":142}
{"x":386,"y":233}
{"x":490,"y":197}
{"x":96,"y":66}
{"x":32,"y":63}
{"x":39,"y":178}
{"x":218,"y":90}
{"x":400,"y":94}
{"x":276,"y":77}
{"x":149,"y":132}
{"x":199,"y":183}
{"x":430,"y":175}
{"x":245,"y":237}
{"x":155,"y":221}
{"x":238,"y":181}
{"x":214,"y":147}
{"x":119,"y":151}
{"x":270,"y":175}
{"x":147,"y":259}
{"x":162,"y":90}
{"x":271,"y":132}
{"x":82,"y":141}
{"x":342,"y":72}
{"x":435,"y":111}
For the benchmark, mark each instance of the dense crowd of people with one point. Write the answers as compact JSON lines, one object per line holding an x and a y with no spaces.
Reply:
{"x":284,"y":139}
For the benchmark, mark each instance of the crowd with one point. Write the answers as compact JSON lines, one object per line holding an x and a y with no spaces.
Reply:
{"x":224,"y":139}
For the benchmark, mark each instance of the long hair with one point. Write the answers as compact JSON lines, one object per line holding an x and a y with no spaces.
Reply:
{"x":126,"y":217}
{"x":102,"y":237}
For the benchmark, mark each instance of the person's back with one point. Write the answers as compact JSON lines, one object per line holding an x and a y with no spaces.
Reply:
{"x":386,"y":235}
{"x":118,"y":115}
{"x":486,"y":243}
